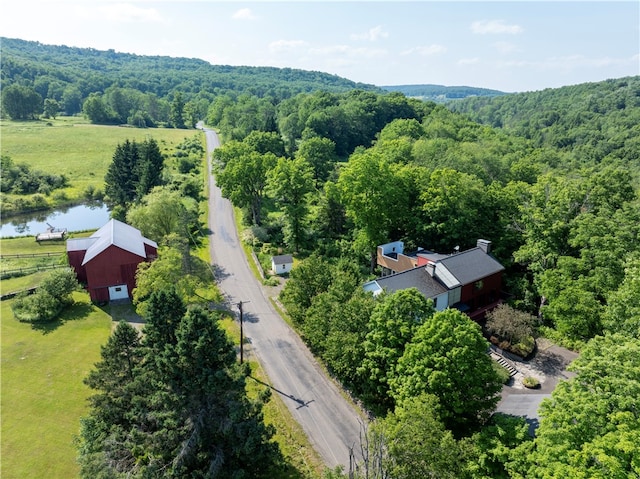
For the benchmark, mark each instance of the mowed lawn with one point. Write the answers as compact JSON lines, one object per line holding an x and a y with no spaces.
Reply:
{"x":43,"y":396}
{"x":76,"y":148}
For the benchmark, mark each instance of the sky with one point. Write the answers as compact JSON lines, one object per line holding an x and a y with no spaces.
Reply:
{"x":512,"y":46}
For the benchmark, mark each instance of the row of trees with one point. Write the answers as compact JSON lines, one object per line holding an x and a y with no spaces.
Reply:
{"x":172,"y":402}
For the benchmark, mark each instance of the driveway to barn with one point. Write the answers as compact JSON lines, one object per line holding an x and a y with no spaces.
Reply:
{"x":330,"y":422}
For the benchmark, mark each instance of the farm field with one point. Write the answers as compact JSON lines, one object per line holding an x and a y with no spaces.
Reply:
{"x":76,"y":148}
{"x":43,"y":395}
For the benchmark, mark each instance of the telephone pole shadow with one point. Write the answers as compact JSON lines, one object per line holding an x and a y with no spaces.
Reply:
{"x":302,"y":403}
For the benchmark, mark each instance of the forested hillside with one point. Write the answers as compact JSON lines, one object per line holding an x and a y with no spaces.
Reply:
{"x":563,"y":218}
{"x":441,"y":93}
{"x":144,"y":87}
{"x":591,"y":121}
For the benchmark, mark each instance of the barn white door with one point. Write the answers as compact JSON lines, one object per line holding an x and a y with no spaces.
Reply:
{"x":118,"y":292}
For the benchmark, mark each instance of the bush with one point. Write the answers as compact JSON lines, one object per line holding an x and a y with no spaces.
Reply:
{"x":514,"y":329}
{"x":531,"y":382}
{"x":271,"y":281}
{"x":525,"y":347}
{"x":502,"y":372}
{"x":53,"y":295}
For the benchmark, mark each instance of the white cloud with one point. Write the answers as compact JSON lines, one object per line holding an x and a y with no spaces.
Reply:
{"x":286,"y":45}
{"x":425,"y":50}
{"x":244,"y":14}
{"x":495,"y":27}
{"x":372,"y":35}
{"x":127,"y":13}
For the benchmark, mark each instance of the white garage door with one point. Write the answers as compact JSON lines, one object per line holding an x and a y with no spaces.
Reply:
{"x":118,"y":292}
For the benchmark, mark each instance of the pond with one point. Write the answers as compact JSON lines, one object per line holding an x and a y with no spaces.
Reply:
{"x":74,"y":218}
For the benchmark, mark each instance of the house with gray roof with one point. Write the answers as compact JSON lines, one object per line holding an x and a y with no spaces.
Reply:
{"x":469,"y":280}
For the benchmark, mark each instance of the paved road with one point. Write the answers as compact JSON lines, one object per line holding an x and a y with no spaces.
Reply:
{"x":330,"y":422}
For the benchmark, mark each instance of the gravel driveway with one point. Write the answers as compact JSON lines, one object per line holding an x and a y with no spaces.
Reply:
{"x":549,"y":367}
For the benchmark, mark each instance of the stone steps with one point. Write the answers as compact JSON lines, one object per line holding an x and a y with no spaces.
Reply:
{"x":503,"y":362}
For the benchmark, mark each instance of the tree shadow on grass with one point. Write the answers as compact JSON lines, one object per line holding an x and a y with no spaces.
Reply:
{"x":74,"y":312}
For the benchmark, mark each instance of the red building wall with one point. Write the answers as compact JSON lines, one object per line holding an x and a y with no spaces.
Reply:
{"x":482,"y":298}
{"x":75,"y":261}
{"x":114,"y":266}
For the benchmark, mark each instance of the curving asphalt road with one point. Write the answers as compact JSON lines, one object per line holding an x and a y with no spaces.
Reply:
{"x":329,"y":421}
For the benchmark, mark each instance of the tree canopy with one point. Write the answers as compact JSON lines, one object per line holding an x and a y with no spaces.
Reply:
{"x":173,"y":404}
{"x":591,"y":425}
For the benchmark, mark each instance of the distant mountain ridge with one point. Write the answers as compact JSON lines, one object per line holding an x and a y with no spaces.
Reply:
{"x":95,"y":70}
{"x":441,"y":93}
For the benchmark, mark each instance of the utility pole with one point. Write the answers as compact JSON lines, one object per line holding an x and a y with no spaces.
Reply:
{"x":241,"y":334}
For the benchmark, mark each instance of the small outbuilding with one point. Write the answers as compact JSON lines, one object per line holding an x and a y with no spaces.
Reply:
{"x":107,"y":260}
{"x":281,"y":264}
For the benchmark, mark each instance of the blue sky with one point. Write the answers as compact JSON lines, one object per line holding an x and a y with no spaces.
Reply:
{"x":509,"y":46}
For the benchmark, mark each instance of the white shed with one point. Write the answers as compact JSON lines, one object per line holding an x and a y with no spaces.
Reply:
{"x":281,"y":264}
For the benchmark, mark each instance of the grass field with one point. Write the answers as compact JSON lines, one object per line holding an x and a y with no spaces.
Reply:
{"x":28,"y":245}
{"x":43,"y":396}
{"x":76,"y":148}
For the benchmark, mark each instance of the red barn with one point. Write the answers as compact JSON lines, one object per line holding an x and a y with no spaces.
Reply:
{"x":107,"y":260}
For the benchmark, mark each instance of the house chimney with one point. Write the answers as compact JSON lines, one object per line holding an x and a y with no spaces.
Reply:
{"x":484,"y":245}
{"x":431,"y":269}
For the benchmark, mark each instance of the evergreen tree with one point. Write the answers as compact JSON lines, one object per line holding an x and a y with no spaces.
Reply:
{"x":150,"y":167}
{"x":121,"y":180}
{"x":104,"y":432}
{"x":173,"y":405}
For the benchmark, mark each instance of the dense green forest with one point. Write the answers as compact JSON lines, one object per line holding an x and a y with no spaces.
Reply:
{"x":142,"y":89}
{"x":441,"y":93}
{"x":550,"y":177}
{"x":564,"y":220}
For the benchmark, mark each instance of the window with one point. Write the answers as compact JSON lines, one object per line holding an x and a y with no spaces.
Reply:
{"x":118,"y":289}
{"x":283,"y":266}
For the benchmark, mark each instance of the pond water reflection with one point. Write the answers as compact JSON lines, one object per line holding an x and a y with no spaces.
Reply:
{"x":74,"y":218}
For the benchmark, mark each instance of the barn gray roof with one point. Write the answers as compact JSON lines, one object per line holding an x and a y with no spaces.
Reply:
{"x":114,"y":233}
